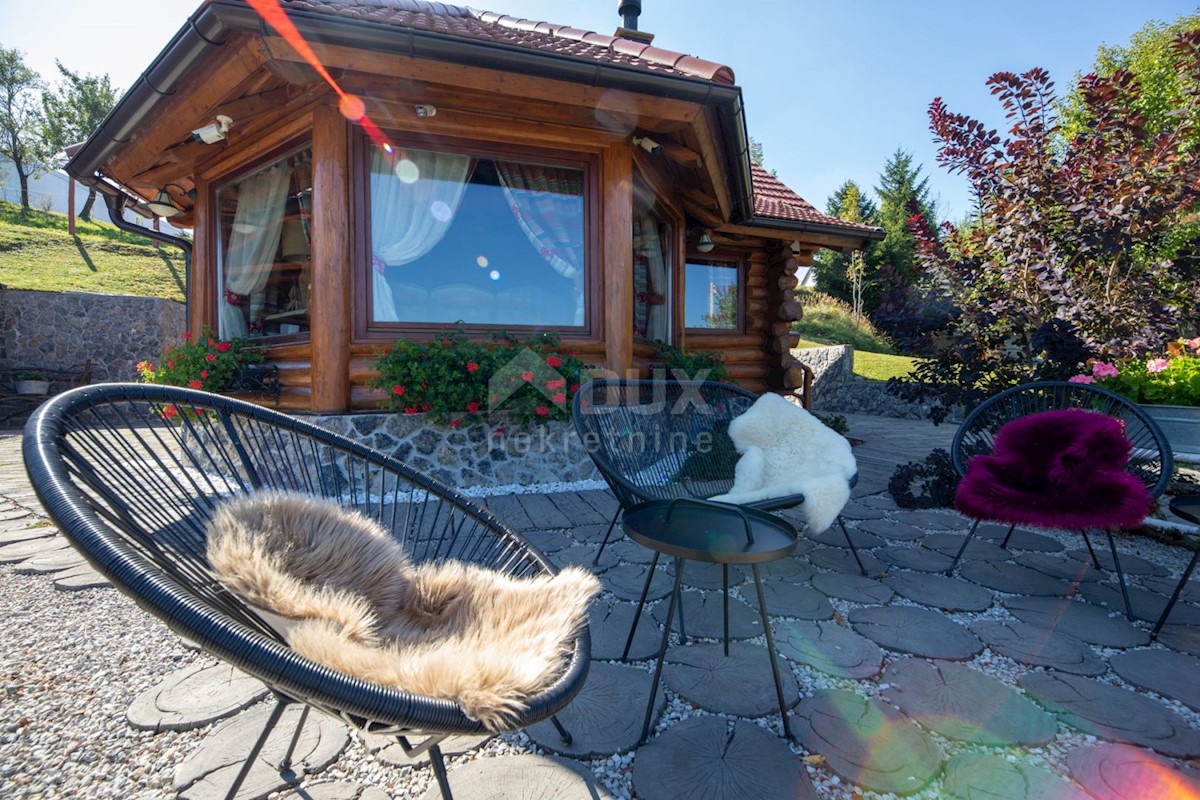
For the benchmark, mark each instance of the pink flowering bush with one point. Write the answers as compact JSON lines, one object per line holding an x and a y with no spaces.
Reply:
{"x":1170,"y":380}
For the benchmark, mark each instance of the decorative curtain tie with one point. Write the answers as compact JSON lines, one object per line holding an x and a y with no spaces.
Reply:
{"x":378,"y":263}
{"x":235,"y":299}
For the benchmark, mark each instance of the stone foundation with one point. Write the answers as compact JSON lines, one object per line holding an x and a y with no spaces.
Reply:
{"x":478,"y":454}
{"x":837,"y":389}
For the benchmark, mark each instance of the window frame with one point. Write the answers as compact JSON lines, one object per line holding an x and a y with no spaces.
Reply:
{"x":646,"y":188}
{"x":732,"y":262}
{"x":291,"y":147}
{"x":367,"y":329}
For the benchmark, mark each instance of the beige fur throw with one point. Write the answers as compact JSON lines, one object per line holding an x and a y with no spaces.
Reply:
{"x":341,"y":591}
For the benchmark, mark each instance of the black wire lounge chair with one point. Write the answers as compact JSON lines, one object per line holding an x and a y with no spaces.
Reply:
{"x":1150,"y":457}
{"x":131,"y":474}
{"x":661,"y":440}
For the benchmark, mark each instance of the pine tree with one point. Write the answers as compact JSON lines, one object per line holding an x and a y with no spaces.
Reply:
{"x":902,"y":192}
{"x":834,"y":270}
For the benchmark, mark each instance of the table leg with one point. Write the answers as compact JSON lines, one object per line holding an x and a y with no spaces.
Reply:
{"x":662,"y":649}
{"x":725,"y":586}
{"x":1187,"y":573}
{"x":641,"y":603}
{"x":762,"y":609}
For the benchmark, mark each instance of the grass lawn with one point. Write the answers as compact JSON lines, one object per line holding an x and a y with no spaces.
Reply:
{"x":36,"y":252}
{"x":874,"y":366}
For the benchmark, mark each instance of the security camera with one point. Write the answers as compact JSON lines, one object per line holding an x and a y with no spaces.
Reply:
{"x":425,"y":110}
{"x":214,"y":131}
{"x":649,"y":145}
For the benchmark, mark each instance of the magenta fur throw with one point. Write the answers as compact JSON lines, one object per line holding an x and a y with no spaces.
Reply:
{"x":1056,"y":469}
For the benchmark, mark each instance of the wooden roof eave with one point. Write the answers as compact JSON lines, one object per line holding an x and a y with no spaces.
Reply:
{"x":818,"y":235}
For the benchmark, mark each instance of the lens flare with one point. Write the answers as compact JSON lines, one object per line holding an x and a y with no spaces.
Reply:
{"x":494,"y":274}
{"x":407,"y":171}
{"x":441,"y":211}
{"x":481,"y":261}
{"x":352,"y":107}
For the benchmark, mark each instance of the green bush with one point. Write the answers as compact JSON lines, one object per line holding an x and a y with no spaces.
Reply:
{"x":456,"y":380}
{"x":695,"y":364}
{"x":830,"y":321}
{"x":201,"y":362}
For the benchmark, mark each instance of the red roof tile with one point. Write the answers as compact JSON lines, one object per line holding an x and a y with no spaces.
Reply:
{"x":774,"y":200}
{"x":544,"y":37}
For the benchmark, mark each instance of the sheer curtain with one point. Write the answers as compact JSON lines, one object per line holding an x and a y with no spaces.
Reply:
{"x":253,"y":242}
{"x":548,"y":205}
{"x":649,"y":278}
{"x":413,"y":203}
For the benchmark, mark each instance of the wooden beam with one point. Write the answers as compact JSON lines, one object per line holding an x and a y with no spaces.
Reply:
{"x":715,"y":168}
{"x":492,"y":81}
{"x":330,"y":307}
{"x":681,"y":155}
{"x":617,"y":256}
{"x":244,"y":109}
{"x":850,"y":241}
{"x":190,"y":104}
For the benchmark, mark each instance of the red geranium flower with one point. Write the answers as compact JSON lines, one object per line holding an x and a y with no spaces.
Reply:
{"x":554,"y":361}
{"x":398,"y":390}
{"x":500,"y":429}
{"x":223,"y":347}
{"x":473,"y":406}
{"x":426,"y":407}
{"x":196,"y":384}
{"x":560,"y":398}
{"x":187,"y":337}
{"x":169,"y":412}
{"x":170,"y":363}
{"x":210,"y":358}
{"x":454,"y":423}
{"x":472,"y":366}
{"x":558,"y":384}
{"x":203,"y":373}
{"x":542,"y":411}
{"x":574,"y":388}
{"x":410,"y":410}
{"x":526,"y":376}
{"x":212,"y":342}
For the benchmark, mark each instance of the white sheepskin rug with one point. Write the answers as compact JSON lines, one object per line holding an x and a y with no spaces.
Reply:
{"x":341,"y":591}
{"x":786,"y":450}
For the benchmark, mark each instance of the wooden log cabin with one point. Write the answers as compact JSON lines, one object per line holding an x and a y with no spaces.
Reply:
{"x":358,"y":172}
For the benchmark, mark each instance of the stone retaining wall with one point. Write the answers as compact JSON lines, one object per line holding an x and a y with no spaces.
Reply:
{"x":837,"y":389}
{"x":59,"y":333}
{"x":475,"y":455}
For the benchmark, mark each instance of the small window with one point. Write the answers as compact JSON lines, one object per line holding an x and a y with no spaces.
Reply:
{"x":711,"y":298}
{"x":264,"y":266}
{"x":486,"y":241}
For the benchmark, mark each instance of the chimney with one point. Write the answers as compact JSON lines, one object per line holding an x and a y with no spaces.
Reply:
{"x":629,"y":11}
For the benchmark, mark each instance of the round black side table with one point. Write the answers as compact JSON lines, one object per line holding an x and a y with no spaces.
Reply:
{"x":721,"y":533}
{"x":1187,"y":507}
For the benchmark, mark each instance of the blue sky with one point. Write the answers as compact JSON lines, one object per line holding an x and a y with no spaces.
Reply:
{"x":831,"y":88}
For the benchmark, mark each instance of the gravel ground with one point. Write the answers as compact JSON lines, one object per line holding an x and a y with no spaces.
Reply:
{"x":72,"y":662}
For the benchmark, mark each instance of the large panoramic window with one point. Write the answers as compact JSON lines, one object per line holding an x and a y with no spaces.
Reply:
{"x":652,"y":246}
{"x":710,"y":299}
{"x":263,"y":257}
{"x":484,"y":241}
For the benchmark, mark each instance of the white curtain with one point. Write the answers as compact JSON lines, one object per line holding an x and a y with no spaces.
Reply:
{"x":413,"y":202}
{"x":649,"y":278}
{"x":548,"y":205}
{"x":253,"y":242}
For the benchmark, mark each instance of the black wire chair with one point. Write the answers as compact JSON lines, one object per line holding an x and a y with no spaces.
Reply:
{"x":131,"y":474}
{"x":661,"y":440}
{"x":1150,"y":457}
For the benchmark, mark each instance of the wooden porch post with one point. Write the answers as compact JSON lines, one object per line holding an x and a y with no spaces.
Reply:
{"x":202,"y":304}
{"x":70,"y":206}
{"x":616,"y":236}
{"x":330,"y":307}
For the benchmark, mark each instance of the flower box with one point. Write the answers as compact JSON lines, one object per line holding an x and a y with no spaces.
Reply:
{"x":1181,"y":425}
{"x":36,"y":387}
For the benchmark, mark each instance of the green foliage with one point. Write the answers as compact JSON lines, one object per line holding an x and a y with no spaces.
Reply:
{"x":835,"y":422}
{"x":37,"y":253}
{"x":829,"y":321}
{"x":1151,"y":59}
{"x":201,"y":362}
{"x":725,"y":309}
{"x":21,"y":120}
{"x":1173,"y":379}
{"x":695,"y":365}
{"x":1076,"y":250}
{"x":455,"y":379}
{"x":31,"y":375}
{"x":73,"y":110}
{"x":925,"y":484}
{"x":831,"y":268}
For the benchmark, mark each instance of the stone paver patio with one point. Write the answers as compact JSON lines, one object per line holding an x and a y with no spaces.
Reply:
{"x":1016,"y":678}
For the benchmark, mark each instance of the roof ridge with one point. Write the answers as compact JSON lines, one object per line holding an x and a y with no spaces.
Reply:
{"x":629,"y":48}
